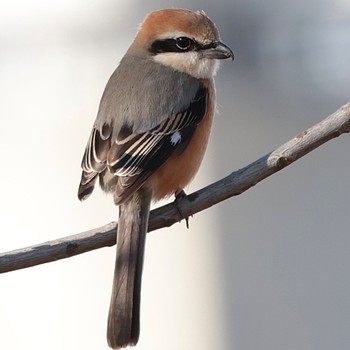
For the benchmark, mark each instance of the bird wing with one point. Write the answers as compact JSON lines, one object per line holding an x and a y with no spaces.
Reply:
{"x":133,"y":157}
{"x":95,"y":159}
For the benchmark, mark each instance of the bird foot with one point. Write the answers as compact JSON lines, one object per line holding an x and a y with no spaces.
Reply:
{"x":179,"y":197}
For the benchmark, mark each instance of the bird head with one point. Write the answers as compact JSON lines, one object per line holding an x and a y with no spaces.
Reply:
{"x":184,"y":40}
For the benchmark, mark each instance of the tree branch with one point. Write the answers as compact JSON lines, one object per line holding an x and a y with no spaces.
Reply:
{"x":232,"y":185}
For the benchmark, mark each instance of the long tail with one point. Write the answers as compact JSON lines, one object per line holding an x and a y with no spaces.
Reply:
{"x":124,"y":311}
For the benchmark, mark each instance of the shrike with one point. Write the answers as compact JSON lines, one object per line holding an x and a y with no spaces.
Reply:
{"x":149,"y":139}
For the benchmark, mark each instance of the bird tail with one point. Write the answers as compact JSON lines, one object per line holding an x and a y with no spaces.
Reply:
{"x":124,"y":311}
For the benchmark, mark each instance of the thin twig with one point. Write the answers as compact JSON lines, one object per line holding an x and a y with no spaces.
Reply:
{"x":232,"y":185}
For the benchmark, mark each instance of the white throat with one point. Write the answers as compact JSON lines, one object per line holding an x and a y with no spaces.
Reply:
{"x":190,"y":63}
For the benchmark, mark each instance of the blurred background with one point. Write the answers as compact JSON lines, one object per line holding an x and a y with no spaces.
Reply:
{"x":269,"y":269}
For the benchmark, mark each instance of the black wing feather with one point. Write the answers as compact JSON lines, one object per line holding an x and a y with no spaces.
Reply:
{"x":94,"y":159}
{"x":134,"y":157}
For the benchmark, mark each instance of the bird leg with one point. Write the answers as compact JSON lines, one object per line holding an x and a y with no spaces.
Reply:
{"x":180,"y":196}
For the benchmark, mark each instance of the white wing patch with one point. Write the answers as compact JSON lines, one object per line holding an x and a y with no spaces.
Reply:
{"x":175,"y":138}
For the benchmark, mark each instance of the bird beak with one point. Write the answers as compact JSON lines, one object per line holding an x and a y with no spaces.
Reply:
{"x":217,"y":50}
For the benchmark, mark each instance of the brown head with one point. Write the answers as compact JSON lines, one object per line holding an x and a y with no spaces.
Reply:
{"x":184,"y":40}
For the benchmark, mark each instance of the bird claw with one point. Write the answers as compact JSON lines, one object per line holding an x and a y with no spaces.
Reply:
{"x":180,"y":196}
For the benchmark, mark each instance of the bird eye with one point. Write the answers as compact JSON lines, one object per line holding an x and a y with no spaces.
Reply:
{"x":183,"y":43}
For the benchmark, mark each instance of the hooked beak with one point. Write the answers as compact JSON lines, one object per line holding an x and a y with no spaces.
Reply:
{"x":217,"y":50}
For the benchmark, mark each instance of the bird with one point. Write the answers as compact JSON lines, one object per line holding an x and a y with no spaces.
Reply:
{"x":149,"y":138}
